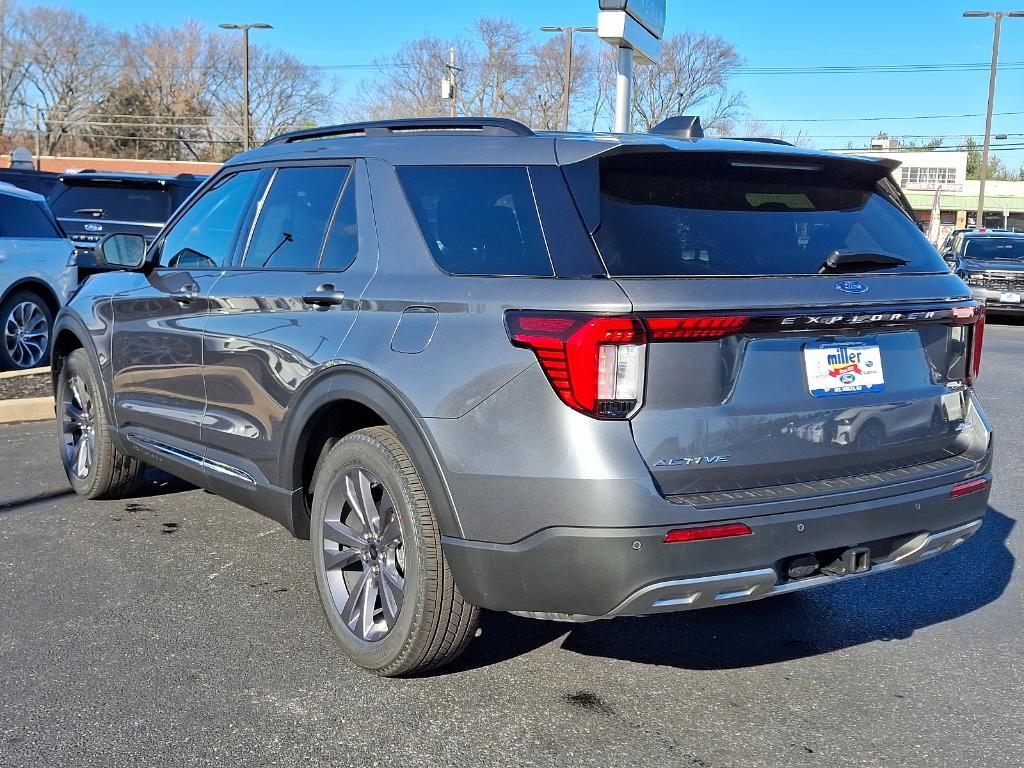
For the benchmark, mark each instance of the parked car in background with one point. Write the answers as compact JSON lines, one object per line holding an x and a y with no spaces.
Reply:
{"x":90,"y":204}
{"x":567,"y":376}
{"x":991,"y":262}
{"x":40,"y":182}
{"x":37,"y":274}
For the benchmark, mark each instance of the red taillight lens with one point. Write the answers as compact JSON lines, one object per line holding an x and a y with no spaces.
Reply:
{"x":684,"y":328}
{"x":707,"y":532}
{"x":971,"y":486}
{"x":977,"y":342}
{"x":595,"y":364}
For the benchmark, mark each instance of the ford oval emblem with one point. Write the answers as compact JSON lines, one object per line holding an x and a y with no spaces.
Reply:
{"x":92,"y":227}
{"x":851,"y":286}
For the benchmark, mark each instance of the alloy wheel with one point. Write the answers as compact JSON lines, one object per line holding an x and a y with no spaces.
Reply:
{"x":26,"y":334}
{"x":78,"y":426}
{"x":363,"y":556}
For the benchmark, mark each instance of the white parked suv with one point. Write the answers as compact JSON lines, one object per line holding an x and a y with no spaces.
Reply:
{"x":37,"y":274}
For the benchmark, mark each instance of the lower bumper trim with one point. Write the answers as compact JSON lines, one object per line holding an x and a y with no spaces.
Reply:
{"x":730,"y":588}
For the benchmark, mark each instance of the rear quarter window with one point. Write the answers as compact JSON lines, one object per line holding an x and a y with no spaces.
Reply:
{"x":25,"y":218}
{"x":675,"y":215}
{"x":478,"y":220}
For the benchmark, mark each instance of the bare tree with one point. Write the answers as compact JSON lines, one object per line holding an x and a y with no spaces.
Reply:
{"x":410,"y":81}
{"x":15,"y":60}
{"x":70,"y":68}
{"x":497,"y":74}
{"x":754,"y":128}
{"x":547,"y":97}
{"x":692,"y":77}
{"x":284,"y":93}
{"x":162,"y":96}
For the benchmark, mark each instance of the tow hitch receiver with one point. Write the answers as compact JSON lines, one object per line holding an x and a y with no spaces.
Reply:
{"x":853,"y":560}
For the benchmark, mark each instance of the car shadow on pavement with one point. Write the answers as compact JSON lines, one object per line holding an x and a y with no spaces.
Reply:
{"x":154,"y":483}
{"x":886,"y":607}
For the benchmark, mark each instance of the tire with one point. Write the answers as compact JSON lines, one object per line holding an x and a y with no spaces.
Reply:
{"x":95,"y":467}
{"x":26,"y":332}
{"x":433,"y":623}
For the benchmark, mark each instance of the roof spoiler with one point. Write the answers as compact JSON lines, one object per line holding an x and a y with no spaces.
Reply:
{"x":681,"y":127}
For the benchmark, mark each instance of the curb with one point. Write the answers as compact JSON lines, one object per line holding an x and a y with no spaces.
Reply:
{"x":29,"y":372}
{"x":26,"y":409}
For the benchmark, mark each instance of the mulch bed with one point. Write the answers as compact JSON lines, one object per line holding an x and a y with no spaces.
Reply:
{"x":37,"y":385}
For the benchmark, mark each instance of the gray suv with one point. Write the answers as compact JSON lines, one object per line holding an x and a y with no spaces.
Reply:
{"x":568,"y":376}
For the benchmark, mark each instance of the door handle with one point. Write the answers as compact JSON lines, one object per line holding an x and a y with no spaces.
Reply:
{"x":324,"y":296}
{"x":186,"y":294}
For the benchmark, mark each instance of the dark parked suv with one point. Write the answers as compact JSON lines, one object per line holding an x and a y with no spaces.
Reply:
{"x":568,"y":376}
{"x":991,"y":262}
{"x":91,"y":204}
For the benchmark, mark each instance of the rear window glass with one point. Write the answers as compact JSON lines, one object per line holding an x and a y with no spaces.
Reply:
{"x":678,"y":216}
{"x":114,"y":201}
{"x":478,"y":220}
{"x":1010,"y":248}
{"x":24,"y":218}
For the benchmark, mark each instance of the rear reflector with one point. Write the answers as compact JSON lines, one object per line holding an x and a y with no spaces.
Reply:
{"x":683,"y":328}
{"x":971,"y":486}
{"x":707,"y":532}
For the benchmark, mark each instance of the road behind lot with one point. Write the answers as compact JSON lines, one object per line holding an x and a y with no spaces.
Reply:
{"x":178,"y":629}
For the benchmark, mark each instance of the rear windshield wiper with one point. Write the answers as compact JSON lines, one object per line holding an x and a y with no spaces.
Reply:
{"x":96,"y":213}
{"x":852,"y":261}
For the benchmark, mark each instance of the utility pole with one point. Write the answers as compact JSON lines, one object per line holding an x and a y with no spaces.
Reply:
{"x":567,"y":85}
{"x":450,"y":87}
{"x":998,"y":16}
{"x":246,"y":116}
{"x":39,"y":141}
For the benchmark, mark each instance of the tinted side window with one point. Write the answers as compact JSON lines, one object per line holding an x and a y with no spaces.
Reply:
{"x":293,"y":218}
{"x":203,"y":237}
{"x":342,"y":246}
{"x":24,"y":218}
{"x":478,"y":221}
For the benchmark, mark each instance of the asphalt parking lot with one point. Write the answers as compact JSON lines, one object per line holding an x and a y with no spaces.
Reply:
{"x":179,"y":629}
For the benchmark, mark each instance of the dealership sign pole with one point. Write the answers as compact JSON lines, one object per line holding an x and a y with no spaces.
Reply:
{"x":635,"y":28}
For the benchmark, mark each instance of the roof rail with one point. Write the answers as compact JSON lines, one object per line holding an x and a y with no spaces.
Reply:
{"x":486,"y":126}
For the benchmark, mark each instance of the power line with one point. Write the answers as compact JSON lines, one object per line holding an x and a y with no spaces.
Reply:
{"x":882,"y":119}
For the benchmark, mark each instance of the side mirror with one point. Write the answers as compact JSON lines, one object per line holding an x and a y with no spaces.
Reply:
{"x":121,"y":251}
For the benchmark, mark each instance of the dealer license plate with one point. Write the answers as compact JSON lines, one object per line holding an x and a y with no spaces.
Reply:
{"x":843,"y":369}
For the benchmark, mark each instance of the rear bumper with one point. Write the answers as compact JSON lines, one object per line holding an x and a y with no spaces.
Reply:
{"x":584,"y":573}
{"x":993,"y":304}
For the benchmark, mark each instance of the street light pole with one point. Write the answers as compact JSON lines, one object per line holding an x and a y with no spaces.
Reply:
{"x":998,"y":16}
{"x":246,"y":117}
{"x":567,"y":88}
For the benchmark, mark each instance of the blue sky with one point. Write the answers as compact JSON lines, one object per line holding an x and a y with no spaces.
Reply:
{"x":783,"y":33}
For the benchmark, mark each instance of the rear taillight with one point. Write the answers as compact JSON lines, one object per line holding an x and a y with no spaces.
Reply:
{"x":972,"y":316}
{"x":977,"y":342}
{"x":595,"y":364}
{"x":663,"y":328}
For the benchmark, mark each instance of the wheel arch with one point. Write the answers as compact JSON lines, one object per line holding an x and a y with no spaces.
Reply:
{"x":37,"y":286}
{"x":69,"y":334}
{"x":350,"y":399}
